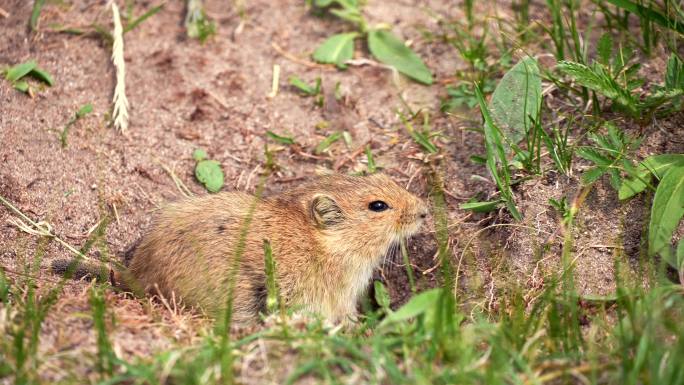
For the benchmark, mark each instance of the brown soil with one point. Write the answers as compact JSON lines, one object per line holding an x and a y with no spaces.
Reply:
{"x":185,"y":95}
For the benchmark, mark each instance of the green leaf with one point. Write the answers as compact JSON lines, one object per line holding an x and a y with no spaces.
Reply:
{"x":390,"y":50}
{"x":271,"y":284}
{"x":649,"y":13}
{"x":604,"y":48}
{"x":371,"y":162}
{"x":350,"y":14}
{"x":417,"y":305}
{"x":480,"y":207}
{"x":594,"y":156}
{"x":478,"y":159}
{"x":666,"y":212}
{"x":131,"y":26}
{"x":337,"y":49}
{"x":209,"y":173}
{"x":497,"y":164}
{"x":674,"y":76}
{"x":85,"y":110}
{"x":633,"y":186}
{"x":327,"y":142}
{"x":657,"y":165}
{"x":596,"y":78}
{"x":279,"y":138}
{"x":42,"y":75}
{"x":516,"y":101}
{"x":381,"y":295}
{"x":304,"y":87}
{"x":20,"y":70}
{"x":22,"y":86}
{"x":199,"y":154}
{"x":424,"y":141}
{"x":590,"y":176}
{"x":35,"y":13}
{"x":323,"y":3}
{"x":680,"y":255}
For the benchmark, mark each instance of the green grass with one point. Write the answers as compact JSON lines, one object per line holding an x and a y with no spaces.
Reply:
{"x":631,"y":338}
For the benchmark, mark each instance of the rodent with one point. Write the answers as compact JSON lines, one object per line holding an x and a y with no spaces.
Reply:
{"x":327,"y":237}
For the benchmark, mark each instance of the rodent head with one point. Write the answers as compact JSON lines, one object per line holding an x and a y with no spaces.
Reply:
{"x":363,"y":215}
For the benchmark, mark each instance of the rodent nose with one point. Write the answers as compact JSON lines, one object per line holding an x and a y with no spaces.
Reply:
{"x":423,"y":214}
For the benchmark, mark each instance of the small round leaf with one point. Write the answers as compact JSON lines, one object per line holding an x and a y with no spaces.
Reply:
{"x":209,"y":173}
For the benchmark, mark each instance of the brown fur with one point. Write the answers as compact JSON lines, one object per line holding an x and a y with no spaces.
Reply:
{"x":325,"y":240}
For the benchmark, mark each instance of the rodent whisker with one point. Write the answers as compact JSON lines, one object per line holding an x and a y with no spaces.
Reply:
{"x":392,"y":253}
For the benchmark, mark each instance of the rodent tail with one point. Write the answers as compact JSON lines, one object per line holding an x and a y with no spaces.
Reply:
{"x":76,"y":268}
{"x":79,"y":269}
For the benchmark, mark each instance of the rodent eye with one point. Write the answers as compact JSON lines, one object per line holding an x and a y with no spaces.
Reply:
{"x":378,"y":206}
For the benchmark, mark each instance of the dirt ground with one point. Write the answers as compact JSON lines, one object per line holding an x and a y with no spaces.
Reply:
{"x":185,"y":95}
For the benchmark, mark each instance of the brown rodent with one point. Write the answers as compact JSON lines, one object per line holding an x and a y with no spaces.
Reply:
{"x":327,"y":237}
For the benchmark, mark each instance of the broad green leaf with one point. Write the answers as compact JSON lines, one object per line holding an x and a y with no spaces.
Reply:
{"x":337,"y":49}
{"x":279,"y":138}
{"x":42,"y":75}
{"x":666,"y":212}
{"x":209,"y":173}
{"x":517,"y":99}
{"x":20,"y":70}
{"x":323,"y":3}
{"x":390,"y":50}
{"x":480,"y":207}
{"x":199,"y":154}
{"x":417,"y":305}
{"x":327,"y":142}
{"x":656,"y":164}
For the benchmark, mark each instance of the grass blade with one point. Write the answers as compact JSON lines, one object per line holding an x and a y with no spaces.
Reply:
{"x":35,"y":14}
{"x":496,"y":156}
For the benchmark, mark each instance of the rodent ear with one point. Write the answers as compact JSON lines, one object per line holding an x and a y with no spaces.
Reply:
{"x":325,"y":211}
